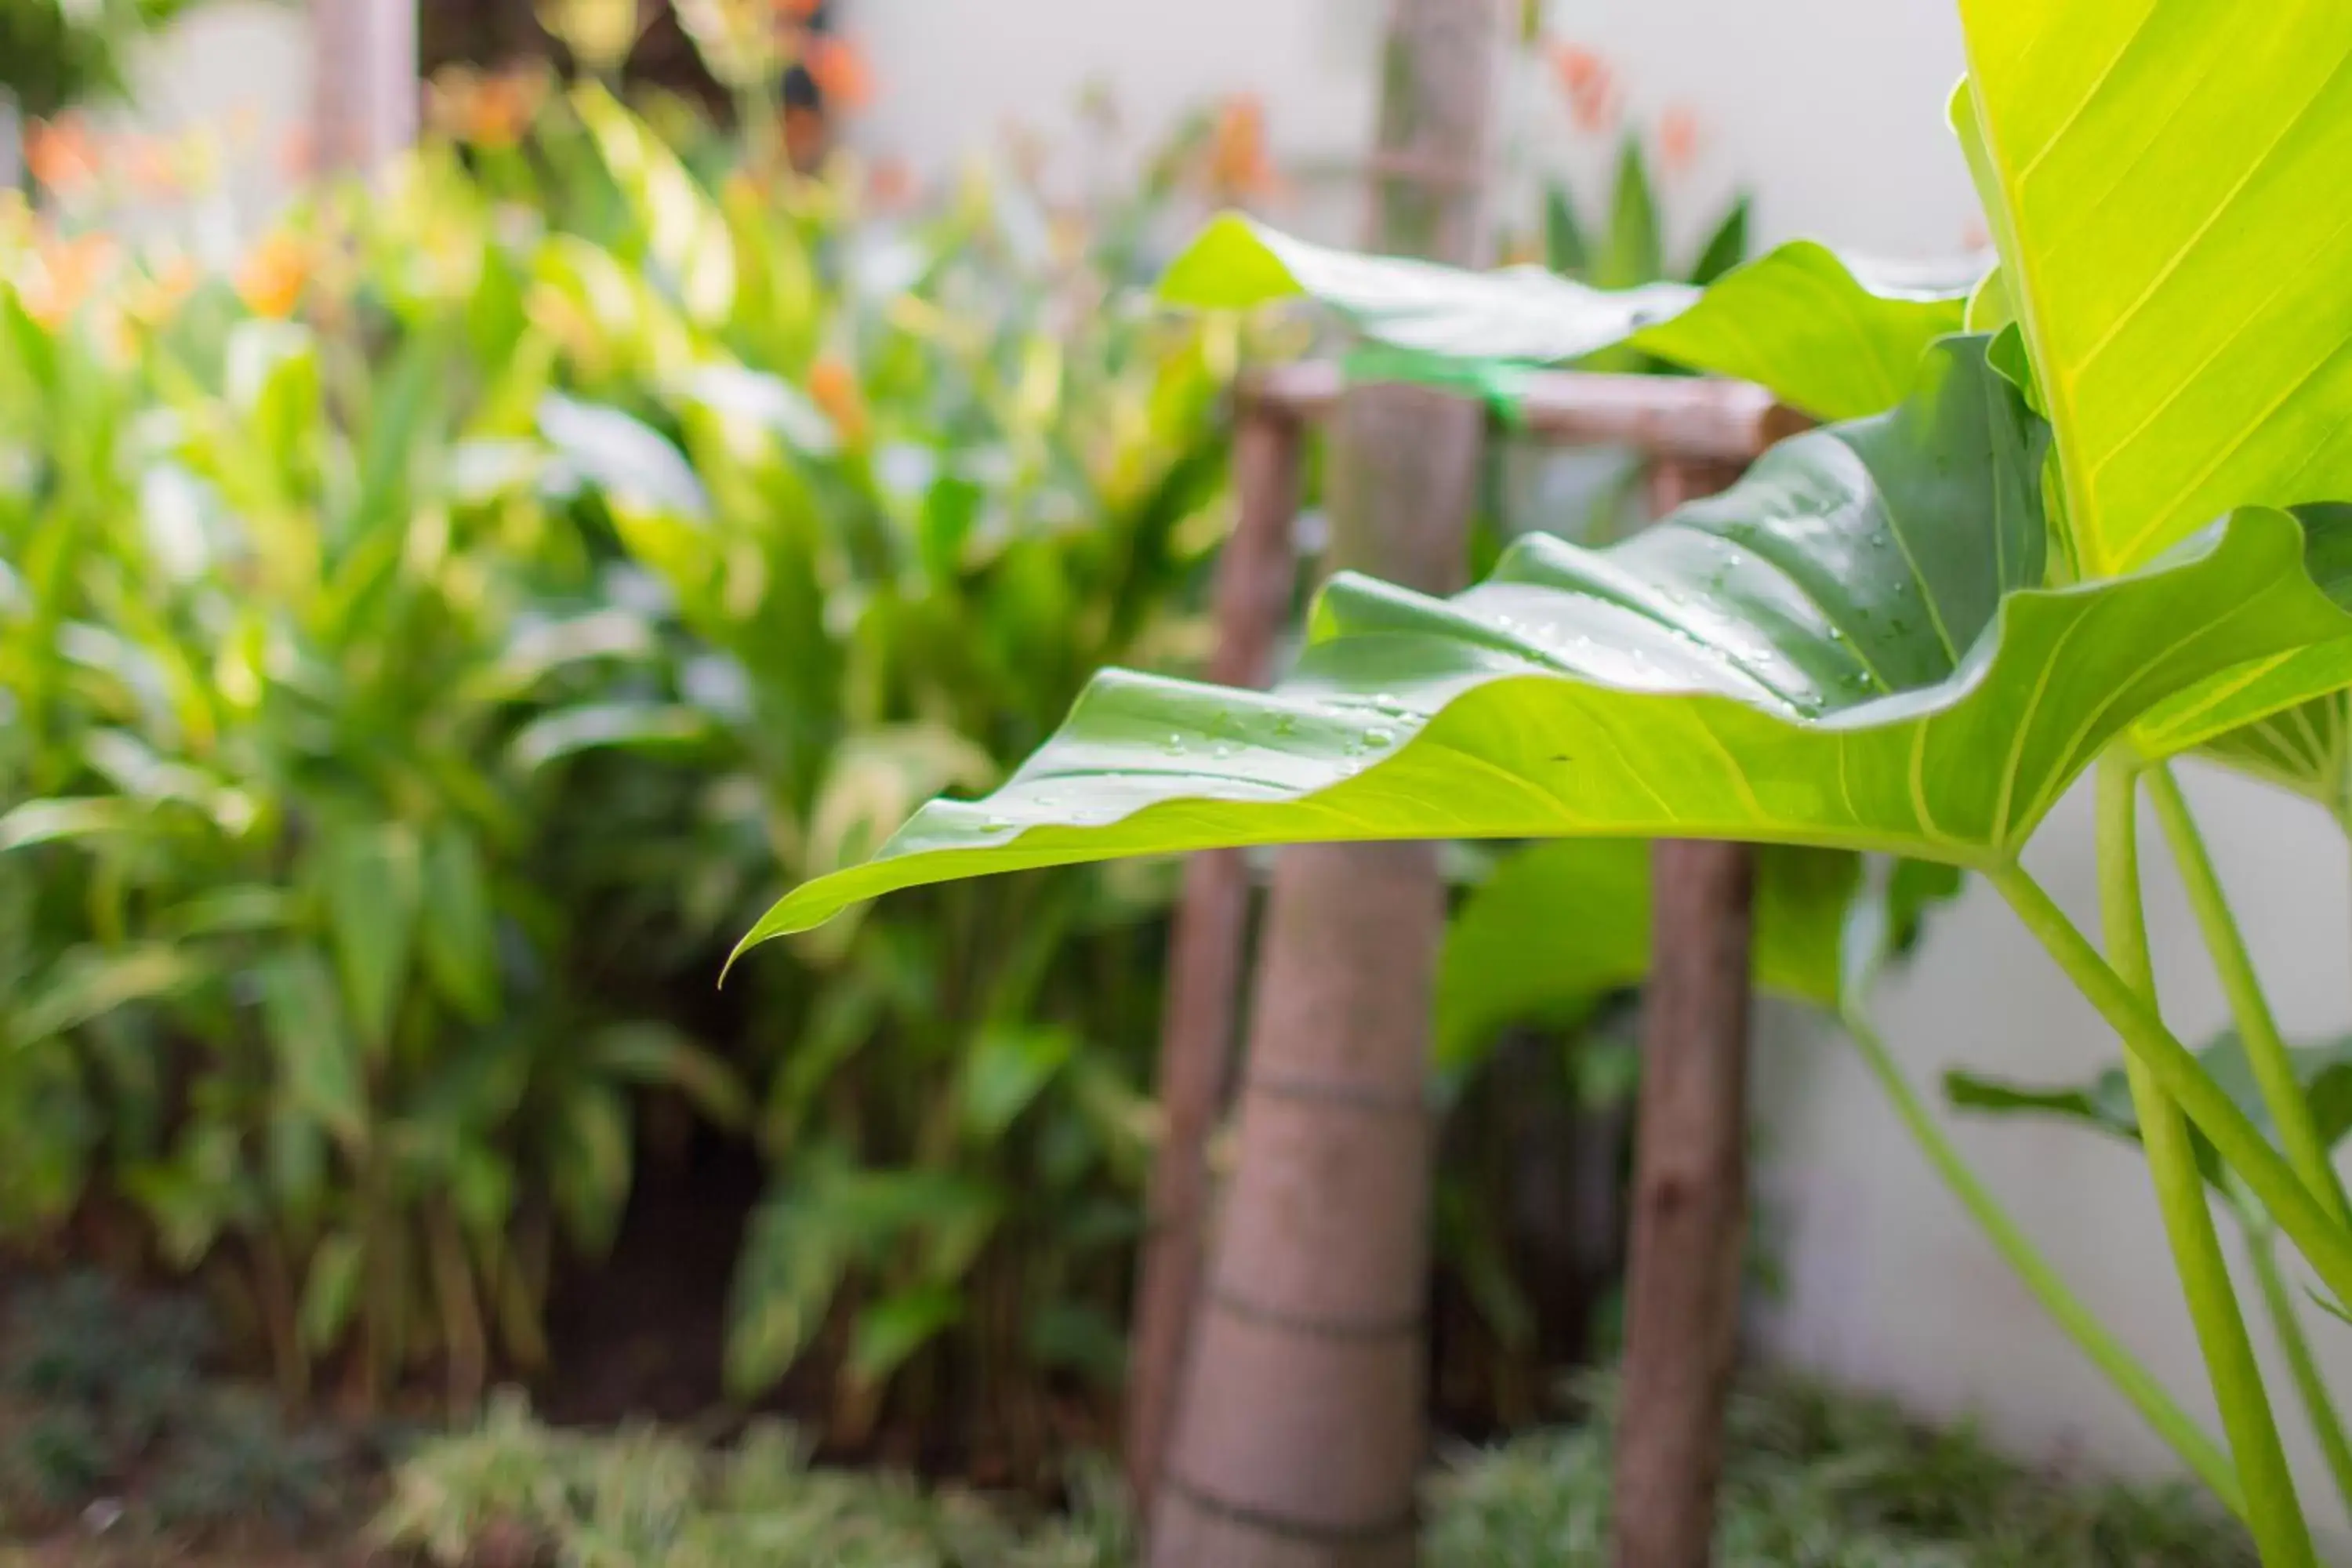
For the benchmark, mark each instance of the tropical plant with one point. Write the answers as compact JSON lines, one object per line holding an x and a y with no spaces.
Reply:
{"x":525,"y":554}
{"x":258,"y":741}
{"x":2093,"y":531}
{"x":962,"y":486}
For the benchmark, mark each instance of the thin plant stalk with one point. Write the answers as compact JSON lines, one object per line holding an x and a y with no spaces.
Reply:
{"x":2286,"y":1323}
{"x":2196,"y":1447}
{"x":2266,"y":1051}
{"x":2325,"y":1244}
{"x":2273,"y":1514}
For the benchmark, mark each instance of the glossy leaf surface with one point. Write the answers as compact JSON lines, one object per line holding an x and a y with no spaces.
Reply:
{"x":1846,"y":649}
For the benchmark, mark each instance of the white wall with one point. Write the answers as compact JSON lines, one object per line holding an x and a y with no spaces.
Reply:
{"x":1889,"y":1282}
{"x":1832,"y":109}
{"x":236,"y":73}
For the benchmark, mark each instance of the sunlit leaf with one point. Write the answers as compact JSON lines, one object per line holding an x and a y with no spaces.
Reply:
{"x":632,"y":464}
{"x":2153,"y":174}
{"x":91,"y":816}
{"x":566,"y":731}
{"x":684,"y":234}
{"x":91,"y":982}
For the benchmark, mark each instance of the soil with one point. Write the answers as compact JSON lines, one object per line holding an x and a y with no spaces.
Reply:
{"x":643,"y":1332}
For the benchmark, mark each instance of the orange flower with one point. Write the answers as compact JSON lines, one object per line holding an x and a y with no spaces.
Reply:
{"x":274,"y":274}
{"x":494,"y":111}
{"x":1596,"y":109}
{"x":298,"y":153}
{"x":168,"y":282}
{"x":1678,"y":139}
{"x":839,"y":71}
{"x":61,"y":155}
{"x":64,"y":273}
{"x":891,"y":186}
{"x":797,"y":11}
{"x":507,"y":106}
{"x":1590,"y":85}
{"x":1578,"y":67}
{"x":833,"y":386}
{"x":153,"y":164}
{"x":1239,"y":166}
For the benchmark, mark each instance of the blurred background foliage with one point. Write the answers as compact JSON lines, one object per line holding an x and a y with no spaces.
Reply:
{"x":430,"y":636}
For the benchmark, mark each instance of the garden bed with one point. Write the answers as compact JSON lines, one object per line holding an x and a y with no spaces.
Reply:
{"x":118,"y":1450}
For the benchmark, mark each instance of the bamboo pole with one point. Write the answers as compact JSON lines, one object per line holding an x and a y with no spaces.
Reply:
{"x":1256,"y":575}
{"x":364,"y":81}
{"x":1299,"y":1428}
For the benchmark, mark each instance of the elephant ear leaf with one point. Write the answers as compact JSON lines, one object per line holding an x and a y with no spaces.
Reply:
{"x":2325,"y":1071}
{"x":1834,"y":338}
{"x":2148,"y":171}
{"x":1849,"y":648}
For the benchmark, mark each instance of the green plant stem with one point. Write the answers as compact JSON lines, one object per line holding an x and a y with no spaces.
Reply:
{"x":2273,"y":1514}
{"x":2286,"y":1321}
{"x":2131,"y":1378}
{"x":2326,"y":1245}
{"x":2266,"y":1050}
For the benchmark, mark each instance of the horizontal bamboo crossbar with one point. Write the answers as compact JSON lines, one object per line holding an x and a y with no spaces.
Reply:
{"x":1665,"y":417}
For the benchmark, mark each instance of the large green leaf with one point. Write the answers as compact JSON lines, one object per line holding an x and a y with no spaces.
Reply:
{"x":2288,"y":718}
{"x":1846,"y":649}
{"x":2161,"y":176}
{"x":1559,"y":926}
{"x":1835,"y":338}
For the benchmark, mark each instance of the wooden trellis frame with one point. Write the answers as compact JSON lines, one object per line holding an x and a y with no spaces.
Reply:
{"x":1688,"y":1203}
